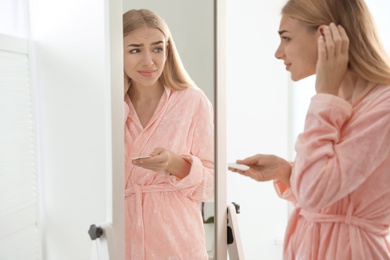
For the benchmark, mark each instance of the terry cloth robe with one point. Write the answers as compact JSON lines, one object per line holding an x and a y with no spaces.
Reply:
{"x":340,"y":180}
{"x":162,"y":213}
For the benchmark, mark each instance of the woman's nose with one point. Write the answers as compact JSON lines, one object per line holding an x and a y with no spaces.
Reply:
{"x":279,"y":53}
{"x":147,"y":58}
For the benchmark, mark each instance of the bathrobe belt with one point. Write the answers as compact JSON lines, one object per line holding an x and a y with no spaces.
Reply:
{"x":137,"y":190}
{"x":349,"y":219}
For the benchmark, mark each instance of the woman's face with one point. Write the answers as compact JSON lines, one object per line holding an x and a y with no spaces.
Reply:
{"x":298,"y":48}
{"x":145,"y":53}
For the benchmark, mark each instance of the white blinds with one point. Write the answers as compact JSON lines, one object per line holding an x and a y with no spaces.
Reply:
{"x":19,"y":237}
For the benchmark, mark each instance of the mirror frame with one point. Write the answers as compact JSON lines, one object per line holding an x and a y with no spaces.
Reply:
{"x":220,"y":205}
{"x":220,"y":131}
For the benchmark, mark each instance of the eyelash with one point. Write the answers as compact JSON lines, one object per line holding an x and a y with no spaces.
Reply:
{"x":286,"y":39}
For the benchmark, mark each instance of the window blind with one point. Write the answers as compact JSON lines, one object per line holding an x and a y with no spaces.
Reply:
{"x":19,"y":233}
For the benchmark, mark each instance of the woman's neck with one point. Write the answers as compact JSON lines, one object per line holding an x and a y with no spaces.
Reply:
{"x":354,"y":88}
{"x":348,"y":85}
{"x":140,"y":93}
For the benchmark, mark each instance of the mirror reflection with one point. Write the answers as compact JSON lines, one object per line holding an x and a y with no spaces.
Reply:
{"x":169,"y":144}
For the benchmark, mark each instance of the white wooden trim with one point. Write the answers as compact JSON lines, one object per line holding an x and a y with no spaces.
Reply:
{"x":220,"y":133}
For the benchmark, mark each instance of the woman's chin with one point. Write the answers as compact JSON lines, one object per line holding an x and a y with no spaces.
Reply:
{"x":299,"y":77}
{"x":295,"y":78}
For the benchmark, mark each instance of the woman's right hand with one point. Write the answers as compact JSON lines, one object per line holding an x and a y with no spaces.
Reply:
{"x":266,"y":167}
{"x":332,"y":64}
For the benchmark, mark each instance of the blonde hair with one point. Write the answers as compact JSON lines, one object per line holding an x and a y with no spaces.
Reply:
{"x":174,"y":74}
{"x":367,"y":56}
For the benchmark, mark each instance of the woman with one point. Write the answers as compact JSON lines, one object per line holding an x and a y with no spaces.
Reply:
{"x":339,"y":182}
{"x":170,"y":121}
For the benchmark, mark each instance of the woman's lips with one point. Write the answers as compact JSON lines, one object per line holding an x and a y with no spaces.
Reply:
{"x":147,"y":73}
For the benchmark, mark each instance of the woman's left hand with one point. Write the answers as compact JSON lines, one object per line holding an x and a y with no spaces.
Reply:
{"x":333,"y":59}
{"x":162,"y":159}
{"x":266,"y":167}
{"x":158,"y":160}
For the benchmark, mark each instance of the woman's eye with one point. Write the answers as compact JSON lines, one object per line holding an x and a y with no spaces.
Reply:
{"x":285,"y":39}
{"x":158,"y":49}
{"x":134,"y":51}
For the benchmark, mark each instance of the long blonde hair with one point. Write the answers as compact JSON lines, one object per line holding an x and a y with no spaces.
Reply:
{"x":174,"y":74}
{"x":367,"y":56}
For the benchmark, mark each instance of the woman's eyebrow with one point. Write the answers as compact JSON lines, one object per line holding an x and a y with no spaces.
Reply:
{"x":134,"y":45}
{"x":282,"y":31}
{"x":141,"y":44}
{"x":157,"y":43}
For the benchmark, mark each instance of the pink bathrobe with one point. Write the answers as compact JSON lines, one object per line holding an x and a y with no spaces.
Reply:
{"x":163,"y":214}
{"x":340,"y":182}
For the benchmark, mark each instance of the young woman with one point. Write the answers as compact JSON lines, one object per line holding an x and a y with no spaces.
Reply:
{"x":339,"y":182}
{"x":170,"y":121}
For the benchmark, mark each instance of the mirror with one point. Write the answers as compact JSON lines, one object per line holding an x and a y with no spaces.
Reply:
{"x":192,"y":29}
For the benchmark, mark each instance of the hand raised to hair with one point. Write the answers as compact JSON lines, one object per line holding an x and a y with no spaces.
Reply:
{"x":332,"y":60}
{"x":266,"y":167}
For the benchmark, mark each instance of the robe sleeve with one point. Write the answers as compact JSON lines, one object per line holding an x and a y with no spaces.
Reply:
{"x":330,"y":163}
{"x":284,"y":191}
{"x":199,"y":183}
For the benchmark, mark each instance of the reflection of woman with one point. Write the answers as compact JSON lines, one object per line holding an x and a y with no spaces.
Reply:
{"x":340,"y":180}
{"x":168,"y":118}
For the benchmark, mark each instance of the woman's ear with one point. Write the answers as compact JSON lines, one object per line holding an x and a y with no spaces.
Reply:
{"x":125,"y":75}
{"x":167,"y":49}
{"x":320,"y":30}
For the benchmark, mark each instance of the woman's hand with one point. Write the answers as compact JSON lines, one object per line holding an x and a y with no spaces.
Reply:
{"x":266,"y":167}
{"x":162,"y":159}
{"x":332,"y":61}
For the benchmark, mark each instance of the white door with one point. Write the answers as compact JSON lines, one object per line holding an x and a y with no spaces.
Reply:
{"x":77,"y":75}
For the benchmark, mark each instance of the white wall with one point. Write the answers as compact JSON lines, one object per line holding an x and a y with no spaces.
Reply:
{"x":257,"y":113}
{"x":73,"y":97}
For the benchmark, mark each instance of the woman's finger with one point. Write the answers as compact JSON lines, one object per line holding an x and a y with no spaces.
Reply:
{"x":321,"y":49}
{"x":329,"y":43}
{"x":249,"y":160}
{"x":344,"y":40}
{"x":337,"y":41}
